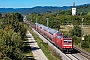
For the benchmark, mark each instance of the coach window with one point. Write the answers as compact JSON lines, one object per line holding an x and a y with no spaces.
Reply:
{"x":41,"y":27}
{"x":44,"y":30}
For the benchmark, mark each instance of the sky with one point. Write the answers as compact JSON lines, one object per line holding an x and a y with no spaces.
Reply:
{"x":33,"y":3}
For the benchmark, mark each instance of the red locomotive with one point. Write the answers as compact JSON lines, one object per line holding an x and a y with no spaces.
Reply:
{"x":59,"y":39}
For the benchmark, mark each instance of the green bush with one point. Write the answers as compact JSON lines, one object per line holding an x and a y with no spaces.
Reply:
{"x":76,"y":31}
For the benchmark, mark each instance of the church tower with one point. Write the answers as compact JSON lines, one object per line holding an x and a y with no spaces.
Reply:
{"x":73,"y":9}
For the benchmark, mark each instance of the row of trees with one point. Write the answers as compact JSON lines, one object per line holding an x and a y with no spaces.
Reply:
{"x":12,"y":34}
{"x":64,"y":18}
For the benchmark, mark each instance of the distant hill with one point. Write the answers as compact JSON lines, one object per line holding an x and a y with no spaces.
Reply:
{"x":85,"y":8}
{"x":37,"y":9}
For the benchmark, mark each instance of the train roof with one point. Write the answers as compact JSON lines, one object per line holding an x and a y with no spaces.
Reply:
{"x":46,"y":28}
{"x":42,"y":26}
{"x":59,"y":36}
{"x":38,"y":24}
{"x":52,"y":31}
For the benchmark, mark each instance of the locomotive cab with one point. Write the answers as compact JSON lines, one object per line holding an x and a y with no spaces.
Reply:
{"x":67,"y":44}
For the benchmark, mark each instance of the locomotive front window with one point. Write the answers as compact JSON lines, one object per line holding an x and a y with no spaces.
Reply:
{"x":70,"y":41}
{"x":67,"y":41}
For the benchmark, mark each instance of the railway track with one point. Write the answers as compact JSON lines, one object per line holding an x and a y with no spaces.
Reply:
{"x":71,"y":56}
{"x":83,"y":53}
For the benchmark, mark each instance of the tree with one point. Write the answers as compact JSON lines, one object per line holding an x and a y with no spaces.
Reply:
{"x":87,"y":19}
{"x":11,"y":43}
{"x":85,"y":43}
{"x":76,"y":31}
{"x":12,"y":33}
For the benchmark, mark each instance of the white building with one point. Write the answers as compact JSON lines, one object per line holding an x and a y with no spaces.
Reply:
{"x":73,"y":9}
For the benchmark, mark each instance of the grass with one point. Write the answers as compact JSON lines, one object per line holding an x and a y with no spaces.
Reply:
{"x":67,"y":28}
{"x":44,"y":47}
{"x":86,"y":30}
{"x":87,"y":49}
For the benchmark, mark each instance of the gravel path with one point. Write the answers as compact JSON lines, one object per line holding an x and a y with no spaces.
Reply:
{"x":37,"y":52}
